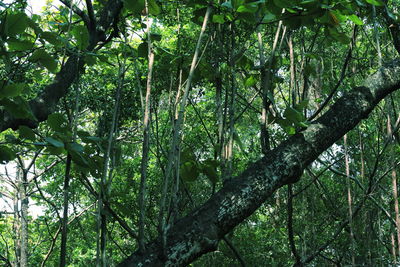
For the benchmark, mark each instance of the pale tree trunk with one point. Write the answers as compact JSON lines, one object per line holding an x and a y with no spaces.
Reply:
{"x":146,"y":137}
{"x":292,"y":70}
{"x":219,"y":112}
{"x":396,"y":206}
{"x":349,"y":201}
{"x":176,"y":138}
{"x":393,"y":243}
{"x":24,"y":216}
{"x":17,"y":224}
{"x":266,"y":84}
{"x":394,"y":182}
{"x":228,"y":149}
{"x":101,"y":253}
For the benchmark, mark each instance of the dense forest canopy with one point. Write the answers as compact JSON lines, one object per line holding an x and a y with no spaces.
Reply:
{"x":201,"y":133}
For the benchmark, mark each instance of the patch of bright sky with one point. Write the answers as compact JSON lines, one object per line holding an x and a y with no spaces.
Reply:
{"x":36,"y":6}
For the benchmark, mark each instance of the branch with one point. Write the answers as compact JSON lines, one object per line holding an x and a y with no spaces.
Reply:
{"x":235,"y":252}
{"x":340,"y":81}
{"x":46,"y":102}
{"x":201,"y":230}
{"x":77,"y":11}
{"x":92,"y":19}
{"x":290,"y":226}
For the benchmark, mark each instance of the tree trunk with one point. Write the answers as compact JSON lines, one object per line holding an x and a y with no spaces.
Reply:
{"x":146,"y":137}
{"x":201,"y":230}
{"x":349,"y":200}
{"x":24,"y":219}
{"x":64,"y":223}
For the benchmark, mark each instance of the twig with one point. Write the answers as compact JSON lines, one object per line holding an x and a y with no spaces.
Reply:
{"x":77,"y":11}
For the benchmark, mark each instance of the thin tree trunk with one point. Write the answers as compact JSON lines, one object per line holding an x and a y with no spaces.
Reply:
{"x":17,"y":224}
{"x":146,"y":137}
{"x":396,"y":206}
{"x":349,"y":200}
{"x":266,"y":85}
{"x":219,"y":112}
{"x":101,"y":254}
{"x":227,"y":173}
{"x":177,"y":136}
{"x":394,"y":183}
{"x":393,"y":243}
{"x":64,"y":223}
{"x":292,"y":71}
{"x":24,"y":217}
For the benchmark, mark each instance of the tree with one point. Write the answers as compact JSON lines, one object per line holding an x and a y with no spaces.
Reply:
{"x":91,"y":41}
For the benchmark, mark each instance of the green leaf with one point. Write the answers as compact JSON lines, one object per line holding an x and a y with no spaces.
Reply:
{"x":15,"y":45}
{"x":75,"y":147}
{"x":237,"y":3}
{"x":57,"y":122}
{"x":143,"y":50}
{"x":26,"y":133}
{"x":54,"y":142}
{"x":77,"y":155}
{"x":155,"y":37}
{"x":12,"y":90}
{"x":6,"y":154}
{"x":293,"y":115}
{"x":81,"y":35}
{"x":268,"y":17}
{"x":290,"y":130}
{"x":375,"y":2}
{"x":154,"y":9}
{"x":136,"y":6}
{"x":356,"y":19}
{"x":54,"y":150}
{"x":247,"y":8}
{"x":303,"y":124}
{"x":218,"y":19}
{"x":227,"y":4}
{"x":52,"y":38}
{"x":93,"y":140}
{"x":187,"y":155}
{"x":15,"y":24}
{"x":189,"y":171}
{"x":338,"y":36}
{"x":10,"y":138}
{"x":283,"y":3}
{"x":302,"y":105}
{"x":83,"y":134}
{"x":45,"y":59}
{"x":250,"y":81}
{"x":90,"y":60}
{"x":209,"y":168}
{"x":18,"y":107}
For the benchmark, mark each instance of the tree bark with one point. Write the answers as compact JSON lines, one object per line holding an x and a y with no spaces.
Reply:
{"x":146,"y":137}
{"x":64,"y":222}
{"x":201,"y":230}
{"x":24,"y":217}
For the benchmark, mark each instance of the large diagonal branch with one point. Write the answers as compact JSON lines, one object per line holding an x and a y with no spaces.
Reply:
{"x":45,"y":103}
{"x":201,"y":230}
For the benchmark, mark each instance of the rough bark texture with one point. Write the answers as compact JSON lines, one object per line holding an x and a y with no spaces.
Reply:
{"x":201,"y":230}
